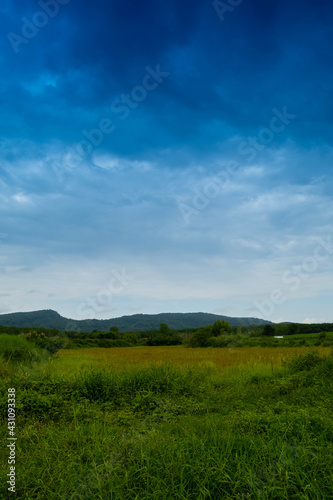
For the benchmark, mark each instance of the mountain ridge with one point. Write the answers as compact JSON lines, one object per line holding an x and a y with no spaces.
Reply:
{"x":48,"y":319}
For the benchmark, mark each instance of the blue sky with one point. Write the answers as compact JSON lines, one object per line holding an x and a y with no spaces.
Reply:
{"x":166,"y":156}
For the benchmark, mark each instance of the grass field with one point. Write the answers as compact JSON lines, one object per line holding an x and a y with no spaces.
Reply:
{"x":173,"y":423}
{"x":120,"y":358}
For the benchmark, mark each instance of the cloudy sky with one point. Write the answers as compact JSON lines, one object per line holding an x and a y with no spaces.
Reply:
{"x":167,"y":156}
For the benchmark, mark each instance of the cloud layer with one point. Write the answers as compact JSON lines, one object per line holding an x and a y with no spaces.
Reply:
{"x":154,"y":137}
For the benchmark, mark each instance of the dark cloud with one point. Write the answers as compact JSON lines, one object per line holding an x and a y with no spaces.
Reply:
{"x":120,"y":199}
{"x":263,"y":55}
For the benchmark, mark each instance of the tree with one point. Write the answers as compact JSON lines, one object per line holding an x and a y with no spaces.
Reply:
{"x":217,"y":327}
{"x":164,"y":329}
{"x":221,"y":327}
{"x":269,"y":330}
{"x":226,"y":327}
{"x":200,"y":338}
{"x":114,"y":329}
{"x":293,"y":329}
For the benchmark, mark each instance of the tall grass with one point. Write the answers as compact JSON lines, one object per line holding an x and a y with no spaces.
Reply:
{"x":172,"y":431}
{"x":97,"y":385}
{"x":16,"y":349}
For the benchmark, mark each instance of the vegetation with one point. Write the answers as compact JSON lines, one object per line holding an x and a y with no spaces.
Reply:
{"x":173,"y":423}
{"x":138,"y":322}
{"x":221,"y":334}
{"x":17,"y":349}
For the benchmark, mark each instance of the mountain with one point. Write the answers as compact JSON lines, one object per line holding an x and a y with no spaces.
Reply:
{"x":178,"y":321}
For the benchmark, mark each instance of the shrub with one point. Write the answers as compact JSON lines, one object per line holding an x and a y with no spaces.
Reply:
{"x":122,"y":343}
{"x":325,"y":369}
{"x":165,"y":340}
{"x":52,"y":344}
{"x":200,"y":338}
{"x":219,"y":341}
{"x":15,"y":349}
{"x":304,"y":362}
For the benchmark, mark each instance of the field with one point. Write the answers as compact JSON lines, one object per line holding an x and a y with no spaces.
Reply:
{"x":173,"y":423}
{"x":177,"y":355}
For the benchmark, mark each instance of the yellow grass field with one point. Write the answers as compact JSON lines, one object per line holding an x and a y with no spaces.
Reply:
{"x":122,"y":358}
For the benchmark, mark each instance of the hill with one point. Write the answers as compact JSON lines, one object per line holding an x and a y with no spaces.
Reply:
{"x":137,"y":322}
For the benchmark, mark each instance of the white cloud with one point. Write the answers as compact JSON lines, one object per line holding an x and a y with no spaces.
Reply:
{"x":308,"y":321}
{"x":22,"y":198}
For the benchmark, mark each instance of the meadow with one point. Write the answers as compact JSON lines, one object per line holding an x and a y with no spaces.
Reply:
{"x":171,"y":423}
{"x":73,"y":359}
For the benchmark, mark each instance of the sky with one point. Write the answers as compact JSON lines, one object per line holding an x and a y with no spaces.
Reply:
{"x":167,"y":156}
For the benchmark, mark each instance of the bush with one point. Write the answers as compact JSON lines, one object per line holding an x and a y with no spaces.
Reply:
{"x":325,"y":369}
{"x":15,"y":349}
{"x":52,"y":344}
{"x":165,"y":340}
{"x":200,"y":338}
{"x":305,"y":362}
{"x":219,"y":341}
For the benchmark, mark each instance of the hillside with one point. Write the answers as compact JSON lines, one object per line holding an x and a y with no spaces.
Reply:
{"x":137,"y":322}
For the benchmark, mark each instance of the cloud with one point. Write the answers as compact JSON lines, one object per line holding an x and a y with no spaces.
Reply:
{"x":119,"y":204}
{"x":308,"y":321}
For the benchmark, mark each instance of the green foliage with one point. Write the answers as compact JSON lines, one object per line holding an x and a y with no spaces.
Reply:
{"x":226,"y":335}
{"x":226,"y":327}
{"x":16,"y":330}
{"x":51,"y":344}
{"x":219,"y":335}
{"x":17,"y":349}
{"x":164,"y":329}
{"x":221,"y":327}
{"x":164,"y":339}
{"x":99,"y":342}
{"x":293,"y":329}
{"x":112,"y":335}
{"x":164,"y":432}
{"x":119,"y":388}
{"x":269,"y":331}
{"x":227,"y":341}
{"x":220,"y":341}
{"x":200,"y":338}
{"x":305,"y":362}
{"x":217,"y":328}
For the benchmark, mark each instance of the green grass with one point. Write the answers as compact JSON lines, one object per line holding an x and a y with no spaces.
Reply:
{"x":174,"y":432}
{"x":17,"y":349}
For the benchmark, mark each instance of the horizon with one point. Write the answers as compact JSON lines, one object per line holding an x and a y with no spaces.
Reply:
{"x":167,"y":156}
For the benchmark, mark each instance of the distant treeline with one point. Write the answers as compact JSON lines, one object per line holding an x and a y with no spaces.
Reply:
{"x":54,"y":339}
{"x":220,"y":334}
{"x":16,"y":330}
{"x":278,"y":329}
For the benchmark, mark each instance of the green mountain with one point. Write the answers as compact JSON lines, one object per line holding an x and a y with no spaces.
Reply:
{"x":137,"y":322}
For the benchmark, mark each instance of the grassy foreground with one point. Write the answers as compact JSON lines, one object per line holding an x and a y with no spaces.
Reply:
{"x":172,"y":423}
